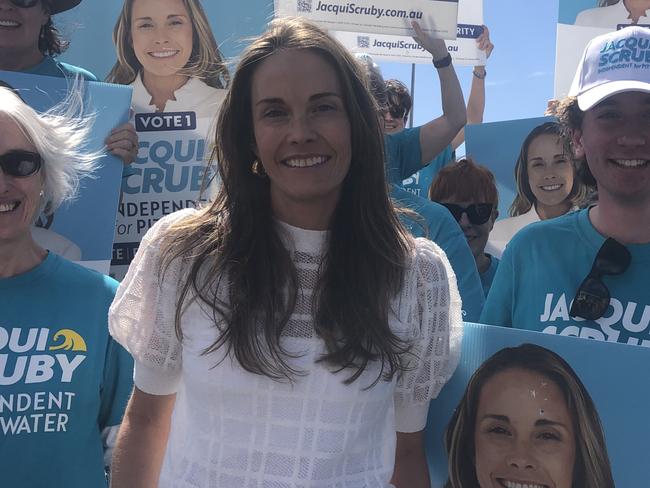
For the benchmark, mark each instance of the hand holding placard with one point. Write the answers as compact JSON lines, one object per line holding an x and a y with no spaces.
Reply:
{"x":436,"y":47}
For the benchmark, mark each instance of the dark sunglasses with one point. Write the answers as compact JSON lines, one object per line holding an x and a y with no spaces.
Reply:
{"x":20,"y":163}
{"x":396,"y":112}
{"x":24,"y":3}
{"x":477,"y":213}
{"x":592,"y":298}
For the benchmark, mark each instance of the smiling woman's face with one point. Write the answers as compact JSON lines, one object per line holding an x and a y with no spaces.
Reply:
{"x":161,"y":31}
{"x":524,"y":435}
{"x":19,"y":196}
{"x":550,"y":172}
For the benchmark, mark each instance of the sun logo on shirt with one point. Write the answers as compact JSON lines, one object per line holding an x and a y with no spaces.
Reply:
{"x":69,"y":341}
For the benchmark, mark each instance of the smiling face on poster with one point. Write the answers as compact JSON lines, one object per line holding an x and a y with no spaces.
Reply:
{"x":535,"y":176}
{"x":530,"y":409}
{"x":167,"y":52}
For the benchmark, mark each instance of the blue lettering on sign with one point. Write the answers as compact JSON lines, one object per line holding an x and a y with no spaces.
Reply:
{"x":154,"y":122}
{"x":468,"y":31}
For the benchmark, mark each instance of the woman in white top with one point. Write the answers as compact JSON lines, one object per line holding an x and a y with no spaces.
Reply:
{"x":291,"y":334}
{"x":166,"y":50}
{"x":611,"y":13}
{"x":547,"y":185}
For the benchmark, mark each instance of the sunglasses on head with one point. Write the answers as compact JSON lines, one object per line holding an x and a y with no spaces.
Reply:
{"x":20,"y":163}
{"x":592,"y":298}
{"x":477,"y":213}
{"x":24,"y":3}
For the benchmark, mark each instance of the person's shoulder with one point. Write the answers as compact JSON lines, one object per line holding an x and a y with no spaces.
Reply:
{"x":72,"y":71}
{"x":436,"y":217}
{"x":403,"y":135}
{"x":547,"y":233}
{"x":160,"y":228}
{"x":78,"y":277}
{"x":429,"y":260}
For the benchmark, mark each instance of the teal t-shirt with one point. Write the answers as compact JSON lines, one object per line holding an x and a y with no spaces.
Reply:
{"x":51,"y":66}
{"x":488,"y":275}
{"x":438,"y":225}
{"x":404,"y":156}
{"x":63,"y":379}
{"x":541,"y":270}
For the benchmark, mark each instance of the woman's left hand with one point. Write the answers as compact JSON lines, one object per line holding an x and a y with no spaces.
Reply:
{"x":123,"y":143}
{"x":436,"y":47}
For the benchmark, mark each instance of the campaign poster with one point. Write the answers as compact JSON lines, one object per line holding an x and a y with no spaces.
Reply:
{"x":174,"y":132}
{"x":403,"y":49}
{"x":178,"y":78}
{"x":91,"y":46}
{"x":82,"y":230}
{"x":437,"y":17}
{"x":498,"y":146}
{"x":531,"y":409}
{"x":579,"y":21}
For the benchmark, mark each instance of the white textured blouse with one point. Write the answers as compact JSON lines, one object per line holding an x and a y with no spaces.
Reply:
{"x":232,"y":428}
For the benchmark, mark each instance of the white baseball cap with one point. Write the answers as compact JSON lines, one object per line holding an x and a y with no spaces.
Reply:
{"x":613,"y":63}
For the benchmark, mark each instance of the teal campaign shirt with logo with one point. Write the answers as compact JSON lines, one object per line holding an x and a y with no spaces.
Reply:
{"x":436,"y":224}
{"x":404,"y":157}
{"x":62,"y":378}
{"x":541,"y":270}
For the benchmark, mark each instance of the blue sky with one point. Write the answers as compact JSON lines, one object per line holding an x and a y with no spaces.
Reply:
{"x":520,"y":70}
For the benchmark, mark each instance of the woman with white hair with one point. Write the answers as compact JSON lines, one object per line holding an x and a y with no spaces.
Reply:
{"x":64,"y":381}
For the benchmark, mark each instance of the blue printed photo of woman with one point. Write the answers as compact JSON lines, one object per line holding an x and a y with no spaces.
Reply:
{"x":166,"y":50}
{"x":547,"y":185}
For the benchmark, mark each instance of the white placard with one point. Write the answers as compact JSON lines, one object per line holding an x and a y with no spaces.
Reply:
{"x":571,"y":41}
{"x":463,"y":50}
{"x":437,"y":17}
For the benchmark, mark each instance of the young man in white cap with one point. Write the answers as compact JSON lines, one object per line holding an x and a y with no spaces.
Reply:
{"x":586,"y":273}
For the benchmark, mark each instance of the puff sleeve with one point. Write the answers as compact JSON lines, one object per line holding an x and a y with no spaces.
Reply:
{"x":141,"y":317}
{"x":436,"y":335}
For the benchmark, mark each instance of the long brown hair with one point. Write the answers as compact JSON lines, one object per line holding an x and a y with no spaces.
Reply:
{"x":205,"y":63}
{"x":525,"y":199}
{"x":591,"y":467}
{"x":235,"y":239}
{"x":50,"y":41}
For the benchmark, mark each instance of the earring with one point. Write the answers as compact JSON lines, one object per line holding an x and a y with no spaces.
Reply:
{"x":41,"y":194}
{"x":257,"y":169}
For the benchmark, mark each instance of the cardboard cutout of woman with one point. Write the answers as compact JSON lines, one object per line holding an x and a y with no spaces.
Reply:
{"x":167,"y":52}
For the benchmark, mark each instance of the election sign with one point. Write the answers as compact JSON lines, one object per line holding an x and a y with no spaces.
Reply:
{"x":168,"y":175}
{"x":497,"y":146}
{"x":579,"y":21}
{"x":437,"y":17}
{"x":511,"y":383}
{"x":401,"y":49}
{"x":82,"y":230}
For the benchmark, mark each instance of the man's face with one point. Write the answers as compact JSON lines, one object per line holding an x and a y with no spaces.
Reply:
{"x":615,"y":140}
{"x":394,"y":121}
